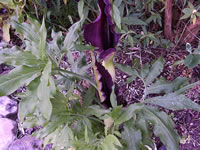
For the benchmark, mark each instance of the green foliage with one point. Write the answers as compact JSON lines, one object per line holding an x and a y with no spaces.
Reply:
{"x":139,"y":16}
{"x":133,"y":138}
{"x":163,"y":127}
{"x":193,"y":59}
{"x":191,"y":12}
{"x":72,"y":116}
{"x":16,"y":78}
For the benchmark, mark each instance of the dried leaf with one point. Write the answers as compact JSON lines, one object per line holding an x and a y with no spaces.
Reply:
{"x":6,"y":31}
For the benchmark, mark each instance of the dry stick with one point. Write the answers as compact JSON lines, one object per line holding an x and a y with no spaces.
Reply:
{"x":193,"y":35}
{"x":181,"y":35}
{"x":191,"y":31}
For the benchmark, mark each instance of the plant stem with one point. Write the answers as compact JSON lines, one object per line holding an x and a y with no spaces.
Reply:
{"x":78,"y":76}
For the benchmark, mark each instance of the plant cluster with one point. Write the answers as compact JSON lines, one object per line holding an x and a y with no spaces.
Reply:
{"x":78,"y":117}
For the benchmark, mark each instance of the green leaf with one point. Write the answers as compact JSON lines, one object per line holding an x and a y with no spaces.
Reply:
{"x":187,"y":11}
{"x":34,"y":34}
{"x":173,"y":101}
{"x":61,"y":137}
{"x":110,"y":143}
{"x":64,"y":139}
{"x":132,"y":138}
{"x":29,"y":31}
{"x":186,"y":87}
{"x":78,"y":76}
{"x":191,"y":6}
{"x":54,"y":47}
{"x":128,"y":113}
{"x":73,"y":33}
{"x":192,"y":60}
{"x":197,"y":50}
{"x":127,"y":69}
{"x":22,"y":58}
{"x":185,"y":16}
{"x":163,"y":127}
{"x":86,"y":135}
{"x":80,"y":8}
{"x":89,"y":97}
{"x":155,"y":70}
{"x":134,"y":20}
{"x":163,"y":86}
{"x":116,"y":16}
{"x":43,"y":36}
{"x":29,"y":101}
{"x":113,"y":98}
{"x":96,"y":111}
{"x":45,"y":91}
{"x":144,"y":70}
{"x":17,"y":78}
{"x":59,"y":104}
{"x":144,"y":127}
{"x":115,"y":113}
{"x":10,"y":3}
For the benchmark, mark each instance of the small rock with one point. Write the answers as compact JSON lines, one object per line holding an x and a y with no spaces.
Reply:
{"x":7,"y":132}
{"x":26,"y":143}
{"x":7,"y":106}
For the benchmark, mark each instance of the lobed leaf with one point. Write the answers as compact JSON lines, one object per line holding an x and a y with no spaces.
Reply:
{"x":89,"y":97}
{"x":163,"y":86}
{"x":163,"y":127}
{"x":17,"y":78}
{"x":110,"y":142}
{"x":154,"y":71}
{"x":19,"y":58}
{"x":173,"y":101}
{"x":73,"y":34}
{"x":132,"y":138}
{"x":128,"y":113}
{"x":44,"y":92}
{"x":30,"y":101}
{"x":127,"y":69}
{"x":34,"y":34}
{"x":146,"y":132}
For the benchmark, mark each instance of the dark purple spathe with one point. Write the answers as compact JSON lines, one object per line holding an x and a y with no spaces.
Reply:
{"x":100,"y":33}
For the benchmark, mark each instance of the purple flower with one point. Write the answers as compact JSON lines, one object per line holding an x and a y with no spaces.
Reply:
{"x":100,"y":33}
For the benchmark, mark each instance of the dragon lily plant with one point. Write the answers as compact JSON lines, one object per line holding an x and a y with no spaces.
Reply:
{"x":100,"y":33}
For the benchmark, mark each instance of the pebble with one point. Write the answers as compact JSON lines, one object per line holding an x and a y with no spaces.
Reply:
{"x":26,"y":143}
{"x":7,"y":132}
{"x":8,"y":127}
{"x":7,"y":106}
